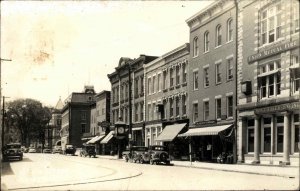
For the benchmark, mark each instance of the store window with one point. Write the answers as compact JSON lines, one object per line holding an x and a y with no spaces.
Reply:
{"x":250,"y":125}
{"x":195,"y":80}
{"x":206,"y":110}
{"x":218,"y":108}
{"x":206,"y":41}
{"x":279,"y":126}
{"x":206,"y":77}
{"x":267,"y":134}
{"x":269,"y":79}
{"x":271,"y":24}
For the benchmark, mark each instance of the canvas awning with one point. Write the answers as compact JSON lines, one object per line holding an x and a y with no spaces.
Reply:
{"x":170,"y":132}
{"x":95,"y":139}
{"x":214,"y":130}
{"x":108,"y":137}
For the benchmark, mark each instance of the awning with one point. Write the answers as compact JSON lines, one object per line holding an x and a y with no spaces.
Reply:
{"x":214,"y":130}
{"x":170,"y":132}
{"x":95,"y":139}
{"x":108,"y":137}
{"x":137,"y":128}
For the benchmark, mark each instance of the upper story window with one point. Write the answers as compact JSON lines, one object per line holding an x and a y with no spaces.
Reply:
{"x":142,"y":85}
{"x":142,"y":111}
{"x":184,"y":73}
{"x":83,"y":115}
{"x":159,"y":82}
{"x":171,"y":77}
{"x":195,"y":112}
{"x":229,"y":106}
{"x":229,"y":30}
{"x":230,"y":69}
{"x":195,"y":47}
{"x":218,"y":73}
{"x":206,"y":77}
{"x":206,"y":41}
{"x":271,"y":24}
{"x":136,"y":86}
{"x":171,"y":107}
{"x":295,"y":17}
{"x":154,"y":85}
{"x":177,"y":106}
{"x":126,"y":91}
{"x":177,"y":75}
{"x":117,"y":95}
{"x":122,"y":92}
{"x":136,"y":114}
{"x":218,"y":35}
{"x":149,"y":86}
{"x":195,"y":80}
{"x":165,"y":79}
{"x":218,"y":108}
{"x":149,"y":112}
{"x":269,"y":79}
{"x":183,"y":99}
{"x":206,"y":110}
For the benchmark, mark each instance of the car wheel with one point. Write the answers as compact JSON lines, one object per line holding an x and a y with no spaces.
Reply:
{"x":151,"y":161}
{"x":126,"y":159}
{"x":142,"y":161}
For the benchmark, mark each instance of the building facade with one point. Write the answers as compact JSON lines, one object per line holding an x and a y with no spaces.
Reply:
{"x":76,"y":115}
{"x":54,"y":127}
{"x":212,"y":81}
{"x":268,"y":96}
{"x":166,"y":100}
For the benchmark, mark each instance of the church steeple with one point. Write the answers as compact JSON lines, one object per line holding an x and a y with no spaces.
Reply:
{"x":59,"y":104}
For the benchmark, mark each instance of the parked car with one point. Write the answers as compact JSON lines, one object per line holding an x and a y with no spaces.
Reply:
{"x":12,"y":151}
{"x":70,"y":149}
{"x":156,"y":154}
{"x":57,"y":149}
{"x":47,"y":150}
{"x":134,"y":153}
{"x":24,"y":149}
{"x":32,"y":150}
{"x":88,"y":150}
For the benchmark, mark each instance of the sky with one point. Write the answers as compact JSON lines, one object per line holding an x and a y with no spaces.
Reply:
{"x":58,"y":47}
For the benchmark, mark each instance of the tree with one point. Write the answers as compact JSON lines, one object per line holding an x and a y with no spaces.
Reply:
{"x":30,"y":117}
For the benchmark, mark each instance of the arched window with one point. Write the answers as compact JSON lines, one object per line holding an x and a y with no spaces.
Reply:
{"x":229,"y":30}
{"x":218,"y":36}
{"x":206,"y":41}
{"x":195,"y":44}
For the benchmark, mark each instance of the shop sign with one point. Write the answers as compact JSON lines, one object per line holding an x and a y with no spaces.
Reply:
{"x":278,"y":108}
{"x":201,"y":123}
{"x":104,"y":124}
{"x":272,"y":51}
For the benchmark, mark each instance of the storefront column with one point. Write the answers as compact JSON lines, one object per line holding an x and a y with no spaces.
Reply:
{"x":286,"y":149}
{"x":256,"y":140}
{"x":241,"y":125}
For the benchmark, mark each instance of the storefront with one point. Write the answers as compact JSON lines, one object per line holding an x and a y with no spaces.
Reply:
{"x":109,"y":144}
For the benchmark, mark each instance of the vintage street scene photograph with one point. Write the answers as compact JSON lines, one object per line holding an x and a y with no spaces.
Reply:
{"x":149,"y":95}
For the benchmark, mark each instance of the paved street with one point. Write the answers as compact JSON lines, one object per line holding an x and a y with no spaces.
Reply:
{"x":59,"y":172}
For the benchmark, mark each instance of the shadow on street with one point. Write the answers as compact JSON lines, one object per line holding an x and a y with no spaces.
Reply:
{"x":6,"y":169}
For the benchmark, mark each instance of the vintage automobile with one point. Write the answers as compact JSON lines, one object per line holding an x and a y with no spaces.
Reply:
{"x":155,"y":155}
{"x":32,"y":150}
{"x":70,"y":149}
{"x":12,"y":151}
{"x":88,"y":150}
{"x":134,"y":153}
{"x":47,"y":150}
{"x":57,"y":149}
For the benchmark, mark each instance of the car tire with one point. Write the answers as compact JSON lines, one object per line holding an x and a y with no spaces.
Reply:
{"x":151,"y":162}
{"x":142,"y":161}
{"x":126,"y":159}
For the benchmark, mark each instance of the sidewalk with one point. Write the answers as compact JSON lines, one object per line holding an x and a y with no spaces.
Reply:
{"x":274,"y":170}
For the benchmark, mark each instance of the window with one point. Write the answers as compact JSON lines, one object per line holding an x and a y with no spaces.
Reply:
{"x":165,"y":109}
{"x":142,"y":111}
{"x":165,"y":79}
{"x":184,"y":73}
{"x":195,"y":47}
{"x":83,"y":115}
{"x":136,"y":87}
{"x":177,"y":75}
{"x":206,"y":110}
{"x":269,"y":79}
{"x":229,"y":30}
{"x":296,"y":122}
{"x":271,"y":24}
{"x":218,"y":36}
{"x":195,"y":80}
{"x":117,"y":95}
{"x":295,"y":17}
{"x":153,"y":111}
{"x":154,"y":85}
{"x":126,"y":90}
{"x":83,"y":128}
{"x":171,"y":108}
{"x":159,"y":82}
{"x":250,"y":125}
{"x":122,"y":93}
{"x":171,"y":77}
{"x":218,"y":73}
{"x":230,"y":69}
{"x":195,"y":112}
{"x":149,"y":112}
{"x":218,"y":108}
{"x":206,"y":77}
{"x":206,"y":41}
{"x":295,"y":81}
{"x":177,"y":106}
{"x":136,"y":114}
{"x":142,"y":85}
{"x":229,"y":106}
{"x":183,"y":99}
{"x":279,"y":124}
{"x":267,"y":134}
{"x":149,"y":86}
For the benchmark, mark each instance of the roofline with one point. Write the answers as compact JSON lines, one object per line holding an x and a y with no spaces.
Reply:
{"x":202,"y":11}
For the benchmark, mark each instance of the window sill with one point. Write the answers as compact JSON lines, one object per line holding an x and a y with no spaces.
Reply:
{"x":171,"y":88}
{"x":218,"y":83}
{"x":206,"y":52}
{"x":195,"y":89}
{"x":229,"y":118}
{"x":165,"y":90}
{"x":195,"y":56}
{"x":184,"y":84}
{"x":229,"y":41}
{"x":218,"y":46}
{"x":229,"y":80}
{"x":206,"y":87}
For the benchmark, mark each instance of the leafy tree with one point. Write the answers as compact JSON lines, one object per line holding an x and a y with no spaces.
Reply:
{"x":31,"y":119}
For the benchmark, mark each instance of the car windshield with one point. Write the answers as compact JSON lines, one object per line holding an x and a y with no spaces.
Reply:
{"x":158,"y":148}
{"x":140,"y":148}
{"x":13,"y":146}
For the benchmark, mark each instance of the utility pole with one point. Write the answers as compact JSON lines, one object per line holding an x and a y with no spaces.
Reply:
{"x":130,"y":108}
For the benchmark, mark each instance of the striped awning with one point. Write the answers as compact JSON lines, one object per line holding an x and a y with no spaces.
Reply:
{"x":108,"y":137}
{"x":170,"y":132}
{"x":95,"y":139}
{"x":214,"y":130}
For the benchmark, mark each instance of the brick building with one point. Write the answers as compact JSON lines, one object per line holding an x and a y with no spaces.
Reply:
{"x":166,"y":100}
{"x":55,"y":126}
{"x":76,"y":117}
{"x":269,"y":81}
{"x":212,"y":81}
